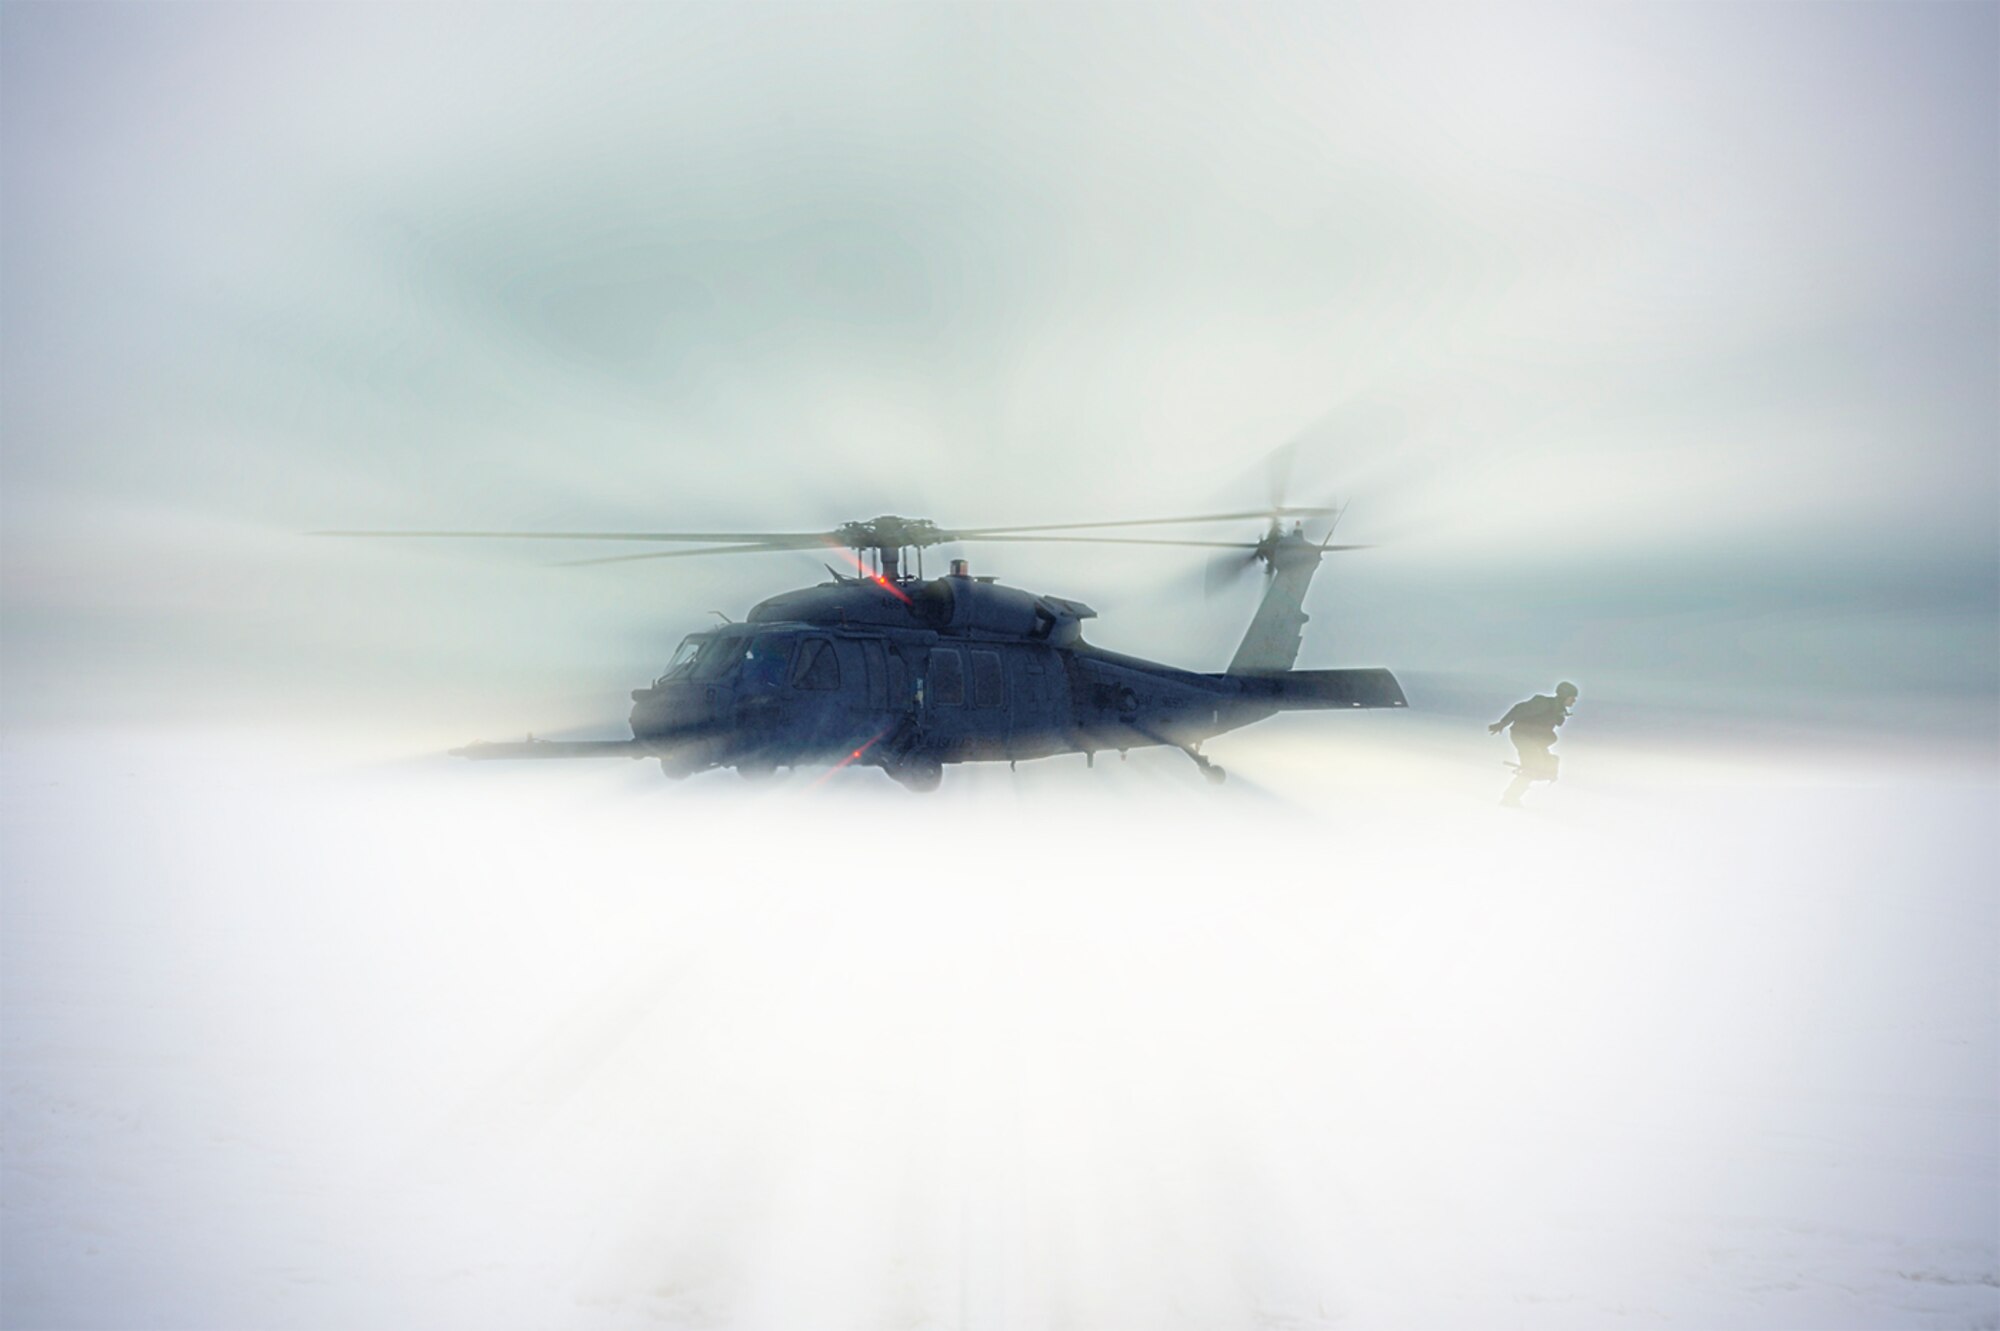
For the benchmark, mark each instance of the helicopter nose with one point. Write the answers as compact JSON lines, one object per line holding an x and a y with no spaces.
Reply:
{"x":670,"y":710}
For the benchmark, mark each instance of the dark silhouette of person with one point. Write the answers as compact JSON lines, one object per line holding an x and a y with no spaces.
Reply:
{"x":1534,"y":725}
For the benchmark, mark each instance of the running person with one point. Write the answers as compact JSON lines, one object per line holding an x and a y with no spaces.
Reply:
{"x":1534,"y":725}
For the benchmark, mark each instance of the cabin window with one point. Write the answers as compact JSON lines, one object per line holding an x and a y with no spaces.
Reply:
{"x":1031,"y":682}
{"x":764,"y":661}
{"x":874,"y":662}
{"x":818,"y":667}
{"x":988,"y":687}
{"x":947,"y":677}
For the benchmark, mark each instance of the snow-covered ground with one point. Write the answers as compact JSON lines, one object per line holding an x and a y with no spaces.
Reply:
{"x":297,"y":1037}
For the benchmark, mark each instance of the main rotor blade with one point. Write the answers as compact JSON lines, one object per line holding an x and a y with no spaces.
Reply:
{"x":1249,"y":546}
{"x":768,"y":542}
{"x":1127,"y":540}
{"x":1110,"y":540}
{"x":1257,"y":515}
{"x":779,"y":540}
{"x":765,"y":549}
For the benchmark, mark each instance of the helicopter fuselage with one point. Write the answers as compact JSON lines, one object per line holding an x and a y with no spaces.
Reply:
{"x":909,"y":674}
{"x":913,"y":674}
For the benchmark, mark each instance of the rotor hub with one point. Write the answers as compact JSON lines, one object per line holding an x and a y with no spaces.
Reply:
{"x":890,"y":532}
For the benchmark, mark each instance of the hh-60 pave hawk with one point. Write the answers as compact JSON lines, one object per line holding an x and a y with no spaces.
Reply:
{"x":886,"y":668}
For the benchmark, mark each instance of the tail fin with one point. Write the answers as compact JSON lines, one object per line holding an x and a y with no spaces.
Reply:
{"x":1272,"y":644}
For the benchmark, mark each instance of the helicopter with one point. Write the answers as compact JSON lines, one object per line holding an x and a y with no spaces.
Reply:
{"x":886,"y":668}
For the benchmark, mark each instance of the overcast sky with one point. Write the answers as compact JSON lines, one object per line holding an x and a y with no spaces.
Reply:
{"x":1656,"y":346}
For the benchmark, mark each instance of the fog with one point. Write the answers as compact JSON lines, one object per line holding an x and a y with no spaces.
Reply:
{"x":297,"y":1043}
{"x":1650,"y":346}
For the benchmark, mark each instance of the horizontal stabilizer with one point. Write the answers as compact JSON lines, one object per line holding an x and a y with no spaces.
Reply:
{"x":555,"y":748}
{"x":1304,"y":689}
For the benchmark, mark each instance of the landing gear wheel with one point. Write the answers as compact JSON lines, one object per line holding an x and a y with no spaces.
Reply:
{"x":919,"y":773}
{"x":1214,"y":774}
{"x":756,"y":770}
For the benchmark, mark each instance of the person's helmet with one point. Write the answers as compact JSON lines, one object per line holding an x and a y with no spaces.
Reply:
{"x":1566,"y":690}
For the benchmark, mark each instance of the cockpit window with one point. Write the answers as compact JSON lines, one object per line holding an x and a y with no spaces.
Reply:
{"x":686,"y":656}
{"x":764,"y":661}
{"x":717,"y":657}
